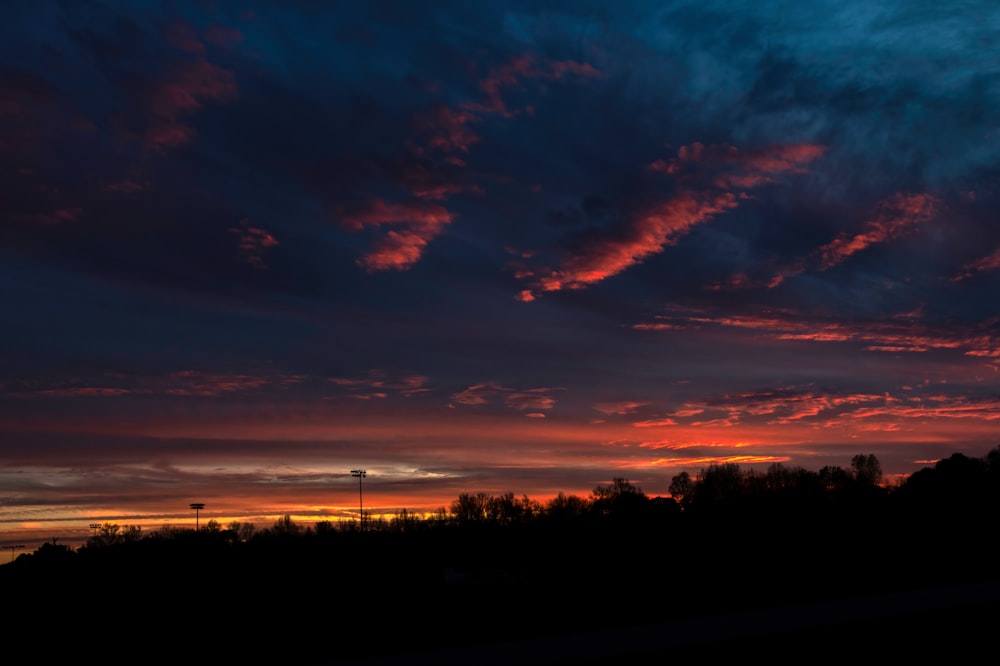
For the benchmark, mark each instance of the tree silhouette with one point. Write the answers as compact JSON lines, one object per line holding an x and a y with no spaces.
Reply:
{"x":867,"y":469}
{"x":682,"y":489}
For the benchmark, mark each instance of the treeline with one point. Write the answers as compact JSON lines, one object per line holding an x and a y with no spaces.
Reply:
{"x":495,"y":567}
{"x":960,"y":486}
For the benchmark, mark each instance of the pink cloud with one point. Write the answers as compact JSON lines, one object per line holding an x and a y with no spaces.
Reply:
{"x":988,"y":263}
{"x":647,"y":235}
{"x":488,"y":392}
{"x":899,"y":334}
{"x":448,"y":129}
{"x":710,"y":179}
{"x":399,"y":249}
{"x":621,"y":408}
{"x":655,"y":423}
{"x":479,"y":394}
{"x":189,"y":87}
{"x":728,"y":167}
{"x":444,"y":133}
{"x":253,"y":242}
{"x":894,"y":217}
{"x":529,"y":400}
{"x":189,"y":383}
{"x":381,"y":384}
{"x":523,"y":67}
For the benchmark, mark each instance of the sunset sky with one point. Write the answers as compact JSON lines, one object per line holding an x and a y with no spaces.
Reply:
{"x":246,"y":247}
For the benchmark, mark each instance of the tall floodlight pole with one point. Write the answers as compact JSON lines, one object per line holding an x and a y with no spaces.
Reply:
{"x":94,"y":527}
{"x":360,"y":473}
{"x":197,"y":506}
{"x":19,"y":546}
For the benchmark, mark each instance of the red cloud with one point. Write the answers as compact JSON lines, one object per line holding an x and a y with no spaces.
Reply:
{"x":383,"y":384}
{"x":988,"y":263}
{"x":648,"y":235}
{"x":530,"y":400}
{"x":482,"y":394}
{"x":401,"y":249}
{"x":654,"y":423}
{"x":429,"y":170}
{"x":621,"y":408}
{"x":709,"y":177}
{"x":189,"y":383}
{"x":524,"y":67}
{"x":731,"y":168}
{"x":448,"y":129}
{"x":900,"y":334}
{"x":894,"y":217}
{"x":253,"y":242}
{"x":191,"y":85}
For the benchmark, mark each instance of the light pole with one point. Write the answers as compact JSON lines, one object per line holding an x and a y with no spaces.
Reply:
{"x":19,"y":546}
{"x":360,"y":473}
{"x":197,"y":506}
{"x":94,"y":527}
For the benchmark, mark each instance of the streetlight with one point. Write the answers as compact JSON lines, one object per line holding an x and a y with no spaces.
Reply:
{"x":19,"y":546}
{"x":197,"y":506}
{"x":360,"y":473}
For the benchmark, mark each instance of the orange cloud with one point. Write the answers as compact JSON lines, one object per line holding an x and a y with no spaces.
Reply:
{"x":894,"y":217}
{"x":654,"y":423}
{"x":185,"y":92}
{"x":620,"y":408}
{"x":253,"y":242}
{"x":530,"y":400}
{"x":448,"y":129}
{"x":192,"y":383}
{"x":400,"y":249}
{"x":710,"y":179}
{"x":648,"y":235}
{"x":525,"y":66}
{"x":899,"y":334}
{"x":379,"y":384}
{"x":482,"y":394}
{"x":988,"y":263}
{"x":445,"y":132}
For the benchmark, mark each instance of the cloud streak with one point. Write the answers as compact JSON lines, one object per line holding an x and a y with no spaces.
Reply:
{"x":444,"y":136}
{"x":894,"y":217}
{"x":711,"y":180}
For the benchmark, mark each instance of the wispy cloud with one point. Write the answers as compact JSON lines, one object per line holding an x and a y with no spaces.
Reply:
{"x":187,"y":88}
{"x":988,"y":263}
{"x":534,"y":399}
{"x":893,"y":217}
{"x":183,"y":383}
{"x":253,"y":242}
{"x":443,"y":136}
{"x":382,"y":383}
{"x":621,"y":408}
{"x":400,"y":248}
{"x":895,"y":334}
{"x":711,"y":180}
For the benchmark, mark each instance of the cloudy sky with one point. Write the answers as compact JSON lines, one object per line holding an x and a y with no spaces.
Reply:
{"x":246,"y":247}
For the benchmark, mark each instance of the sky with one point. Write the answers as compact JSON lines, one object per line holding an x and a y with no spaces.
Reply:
{"x":247,"y":247}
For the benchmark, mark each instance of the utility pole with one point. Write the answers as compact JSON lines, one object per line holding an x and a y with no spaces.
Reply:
{"x":197,"y":506}
{"x":19,"y":546}
{"x":360,"y":473}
